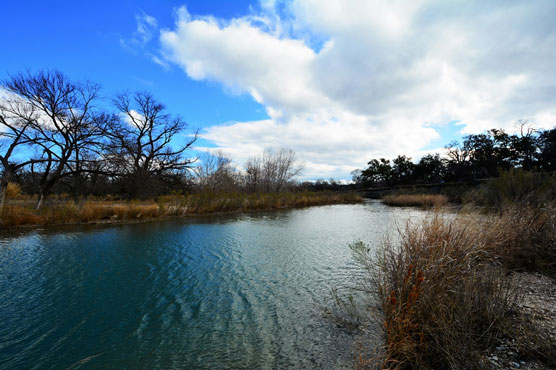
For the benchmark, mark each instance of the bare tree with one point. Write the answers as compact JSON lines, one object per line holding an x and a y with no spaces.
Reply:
{"x":217,"y":173}
{"x":253,"y":174}
{"x":61,"y":120}
{"x":272,"y":171}
{"x":14,"y":133}
{"x":141,"y":144}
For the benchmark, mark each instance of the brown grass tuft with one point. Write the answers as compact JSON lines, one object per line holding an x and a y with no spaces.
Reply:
{"x":17,"y":216}
{"x":442,"y":293}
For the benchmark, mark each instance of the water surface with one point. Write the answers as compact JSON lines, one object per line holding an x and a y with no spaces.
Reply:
{"x":241,"y":291}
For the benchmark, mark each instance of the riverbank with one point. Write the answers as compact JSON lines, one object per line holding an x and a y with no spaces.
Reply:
{"x":63,"y":211}
{"x":449,"y":292}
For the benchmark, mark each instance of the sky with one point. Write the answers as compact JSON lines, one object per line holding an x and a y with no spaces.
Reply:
{"x":337,"y":81}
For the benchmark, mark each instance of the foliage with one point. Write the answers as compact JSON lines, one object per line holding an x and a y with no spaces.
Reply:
{"x":480,"y":156}
{"x":514,"y":187}
{"x":379,"y":172}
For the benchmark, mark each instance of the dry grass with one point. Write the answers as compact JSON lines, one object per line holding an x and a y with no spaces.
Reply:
{"x":13,"y":191}
{"x":16,"y":216}
{"x":240,"y":202}
{"x":524,"y":238}
{"x":443,"y":289}
{"x":442,"y":294}
{"x":69,"y":212}
{"x":66,"y":211}
{"x":416,"y":200}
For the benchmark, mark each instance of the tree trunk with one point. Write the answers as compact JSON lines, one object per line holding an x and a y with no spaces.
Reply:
{"x":4,"y":189}
{"x":40,"y":202}
{"x":43,"y":194}
{"x":77,"y":192}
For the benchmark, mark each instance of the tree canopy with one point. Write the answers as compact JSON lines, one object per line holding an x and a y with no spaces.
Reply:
{"x":480,"y":156}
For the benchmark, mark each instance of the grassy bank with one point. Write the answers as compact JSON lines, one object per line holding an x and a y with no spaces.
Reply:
{"x":63,"y":211}
{"x":514,"y":188}
{"x":416,"y":200}
{"x":443,"y":289}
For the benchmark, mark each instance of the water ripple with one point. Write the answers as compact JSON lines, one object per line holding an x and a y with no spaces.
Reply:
{"x":242,"y":291}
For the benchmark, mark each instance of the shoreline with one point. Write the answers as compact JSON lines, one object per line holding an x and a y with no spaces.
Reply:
{"x":536,"y":314}
{"x":464,"y":292}
{"x":132,"y":212}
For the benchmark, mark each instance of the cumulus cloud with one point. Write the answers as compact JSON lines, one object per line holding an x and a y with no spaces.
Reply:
{"x":276,"y":72}
{"x":345,"y":81}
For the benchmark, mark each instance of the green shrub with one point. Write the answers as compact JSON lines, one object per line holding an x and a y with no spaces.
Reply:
{"x":513,"y":187}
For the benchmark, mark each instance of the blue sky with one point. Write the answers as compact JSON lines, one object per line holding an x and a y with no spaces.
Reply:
{"x":338,"y":82}
{"x":82,"y":39}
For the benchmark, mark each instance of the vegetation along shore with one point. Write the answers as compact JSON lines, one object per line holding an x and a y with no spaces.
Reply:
{"x":66,"y":211}
{"x":67,"y":160}
{"x":468,"y":290}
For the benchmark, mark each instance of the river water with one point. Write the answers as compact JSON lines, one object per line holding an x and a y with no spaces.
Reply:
{"x":241,"y":291}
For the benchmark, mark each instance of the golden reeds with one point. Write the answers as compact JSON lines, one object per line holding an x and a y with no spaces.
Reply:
{"x":65,"y":211}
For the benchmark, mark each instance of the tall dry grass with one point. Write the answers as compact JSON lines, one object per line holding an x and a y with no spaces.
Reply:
{"x":69,"y":212}
{"x":13,"y":191}
{"x":66,"y":211}
{"x":523,"y":238}
{"x":524,"y":233}
{"x":416,"y":200}
{"x":443,"y":289}
{"x":442,"y":295}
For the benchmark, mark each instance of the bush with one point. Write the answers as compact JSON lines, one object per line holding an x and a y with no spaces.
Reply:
{"x":524,"y":238}
{"x":514,"y":187}
{"x":442,"y":295}
{"x":13,"y":191}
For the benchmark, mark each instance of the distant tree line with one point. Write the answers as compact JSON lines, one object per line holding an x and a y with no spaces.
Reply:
{"x":58,"y":136}
{"x":480,"y":156}
{"x":271,"y":172}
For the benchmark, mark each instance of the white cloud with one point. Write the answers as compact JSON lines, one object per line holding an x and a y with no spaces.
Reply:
{"x":276,"y":72}
{"x":146,"y":29}
{"x":345,"y":81}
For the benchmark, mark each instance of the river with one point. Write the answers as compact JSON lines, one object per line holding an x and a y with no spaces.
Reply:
{"x":240,"y":291}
